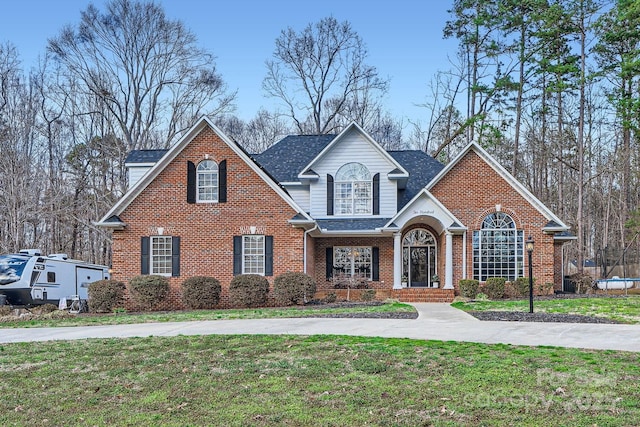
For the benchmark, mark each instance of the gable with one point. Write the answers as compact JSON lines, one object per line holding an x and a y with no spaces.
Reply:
{"x":476,"y":178}
{"x":472,"y":187}
{"x":203,"y":141}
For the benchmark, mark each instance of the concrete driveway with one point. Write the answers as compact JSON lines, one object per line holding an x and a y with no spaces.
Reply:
{"x":435,"y":322}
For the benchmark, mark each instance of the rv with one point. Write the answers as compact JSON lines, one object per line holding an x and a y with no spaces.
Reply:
{"x":28,"y":278}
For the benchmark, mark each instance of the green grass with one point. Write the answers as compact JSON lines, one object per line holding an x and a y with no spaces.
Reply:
{"x":193,"y":315}
{"x":621,"y":309}
{"x":313,"y":381}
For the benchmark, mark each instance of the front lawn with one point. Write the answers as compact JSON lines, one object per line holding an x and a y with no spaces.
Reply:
{"x":64,"y":319}
{"x":313,"y":381}
{"x":621,"y":309}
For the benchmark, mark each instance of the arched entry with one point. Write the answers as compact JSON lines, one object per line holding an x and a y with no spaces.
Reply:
{"x":419,"y":257}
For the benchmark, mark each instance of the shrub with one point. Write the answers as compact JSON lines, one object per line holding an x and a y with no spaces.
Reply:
{"x":521,"y":285}
{"x":481,"y":297}
{"x":330,"y":298}
{"x":293,"y":288}
{"x":494,"y":287}
{"x":583,"y":283}
{"x":368,"y":295}
{"x":201,"y":292}
{"x":148,"y":291}
{"x":248,"y":290}
{"x":468,"y":288}
{"x":105,"y":295}
{"x":5,"y":310}
{"x":545,"y":289}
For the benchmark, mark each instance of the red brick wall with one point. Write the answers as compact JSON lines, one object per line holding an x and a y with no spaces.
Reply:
{"x":471,"y":190}
{"x":385,"y":244}
{"x":207,"y":229}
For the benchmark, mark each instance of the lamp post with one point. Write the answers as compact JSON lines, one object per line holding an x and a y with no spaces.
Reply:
{"x":529,"y":247}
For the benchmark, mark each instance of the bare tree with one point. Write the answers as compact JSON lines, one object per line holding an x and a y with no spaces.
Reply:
{"x":152,"y":79}
{"x":320,"y":74}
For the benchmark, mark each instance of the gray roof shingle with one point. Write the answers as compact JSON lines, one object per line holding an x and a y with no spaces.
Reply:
{"x":145,"y":156}
{"x":352,"y":224}
{"x":285,"y":159}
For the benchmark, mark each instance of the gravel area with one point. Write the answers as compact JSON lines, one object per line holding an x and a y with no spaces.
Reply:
{"x":519,"y":316}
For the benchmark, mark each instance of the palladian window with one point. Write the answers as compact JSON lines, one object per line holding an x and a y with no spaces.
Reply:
{"x":353,"y":190}
{"x":498,"y":248}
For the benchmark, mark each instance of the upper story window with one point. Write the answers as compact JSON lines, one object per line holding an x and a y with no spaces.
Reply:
{"x":207,"y":181}
{"x":498,"y":248}
{"x":353,"y":190}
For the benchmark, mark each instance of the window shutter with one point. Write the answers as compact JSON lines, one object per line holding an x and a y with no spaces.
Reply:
{"x":237,"y":255}
{"x":191,"y":182}
{"x":329,"y":252}
{"x":175,"y":256}
{"x":144,"y":255}
{"x":268,"y":255}
{"x":376,"y":194}
{"x":329,"y":195}
{"x":222,"y":182}
{"x":375,"y":263}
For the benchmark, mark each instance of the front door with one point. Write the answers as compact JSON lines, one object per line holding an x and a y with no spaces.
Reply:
{"x":422,"y":266}
{"x":419,"y":258}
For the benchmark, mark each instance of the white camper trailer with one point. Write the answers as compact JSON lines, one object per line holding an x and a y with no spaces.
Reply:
{"x":28,"y":278}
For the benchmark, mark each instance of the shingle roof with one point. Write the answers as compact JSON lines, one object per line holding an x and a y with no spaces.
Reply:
{"x":357,"y":224}
{"x":145,"y":156}
{"x":422,"y":168}
{"x":285,"y":159}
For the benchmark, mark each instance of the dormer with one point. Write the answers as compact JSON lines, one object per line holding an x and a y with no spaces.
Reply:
{"x":138,"y":162}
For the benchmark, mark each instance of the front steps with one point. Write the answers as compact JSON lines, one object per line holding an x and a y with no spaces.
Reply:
{"x":403,"y":295}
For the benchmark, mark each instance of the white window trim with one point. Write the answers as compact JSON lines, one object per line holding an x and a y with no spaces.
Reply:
{"x":353,"y":199}
{"x":217,"y":192}
{"x":152,"y":256}
{"x":352,"y":250}
{"x":264,"y":254}
{"x":517,"y":243}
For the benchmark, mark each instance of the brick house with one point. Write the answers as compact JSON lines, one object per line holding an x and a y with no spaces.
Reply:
{"x":338,"y":207}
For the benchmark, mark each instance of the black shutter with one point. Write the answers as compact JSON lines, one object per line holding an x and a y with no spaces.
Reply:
{"x":268,"y":255}
{"x":222,"y":182}
{"x":144,"y":255}
{"x":375,"y":261}
{"x":329,"y":253}
{"x":237,"y":255}
{"x":329,"y":195}
{"x":175,"y":256}
{"x":191,"y":182}
{"x":376,"y":194}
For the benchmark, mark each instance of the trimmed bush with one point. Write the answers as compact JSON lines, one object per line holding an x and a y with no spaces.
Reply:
{"x":201,"y":292}
{"x":148,"y":291}
{"x":248,"y":290}
{"x":368,"y":295}
{"x":468,"y":288}
{"x":330,"y":298}
{"x":494,"y":287}
{"x":293,"y":288}
{"x":105,"y":296}
{"x":521,"y":285}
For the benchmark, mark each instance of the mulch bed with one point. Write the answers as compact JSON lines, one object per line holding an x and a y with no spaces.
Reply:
{"x":519,"y":316}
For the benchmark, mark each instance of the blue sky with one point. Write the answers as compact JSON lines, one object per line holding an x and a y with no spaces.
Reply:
{"x":403,"y":37}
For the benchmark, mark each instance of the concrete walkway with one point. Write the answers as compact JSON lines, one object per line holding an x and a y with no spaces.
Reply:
{"x":435,"y":322}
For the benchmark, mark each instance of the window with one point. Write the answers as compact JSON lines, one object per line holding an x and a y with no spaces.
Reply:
{"x":253,"y":254}
{"x":207,"y":181}
{"x":161,"y":255}
{"x":498,"y":248}
{"x":353,"y":190}
{"x":51,"y":277}
{"x":352,"y":261}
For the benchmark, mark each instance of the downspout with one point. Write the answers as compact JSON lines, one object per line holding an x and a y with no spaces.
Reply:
{"x":304,"y":244}
{"x":464,"y":255}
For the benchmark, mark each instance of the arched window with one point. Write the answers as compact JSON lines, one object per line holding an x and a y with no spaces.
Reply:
{"x":353,"y":190}
{"x":207,"y":181}
{"x":498,"y":248}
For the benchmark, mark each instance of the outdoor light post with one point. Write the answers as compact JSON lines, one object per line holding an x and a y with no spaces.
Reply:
{"x":529,"y":247}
